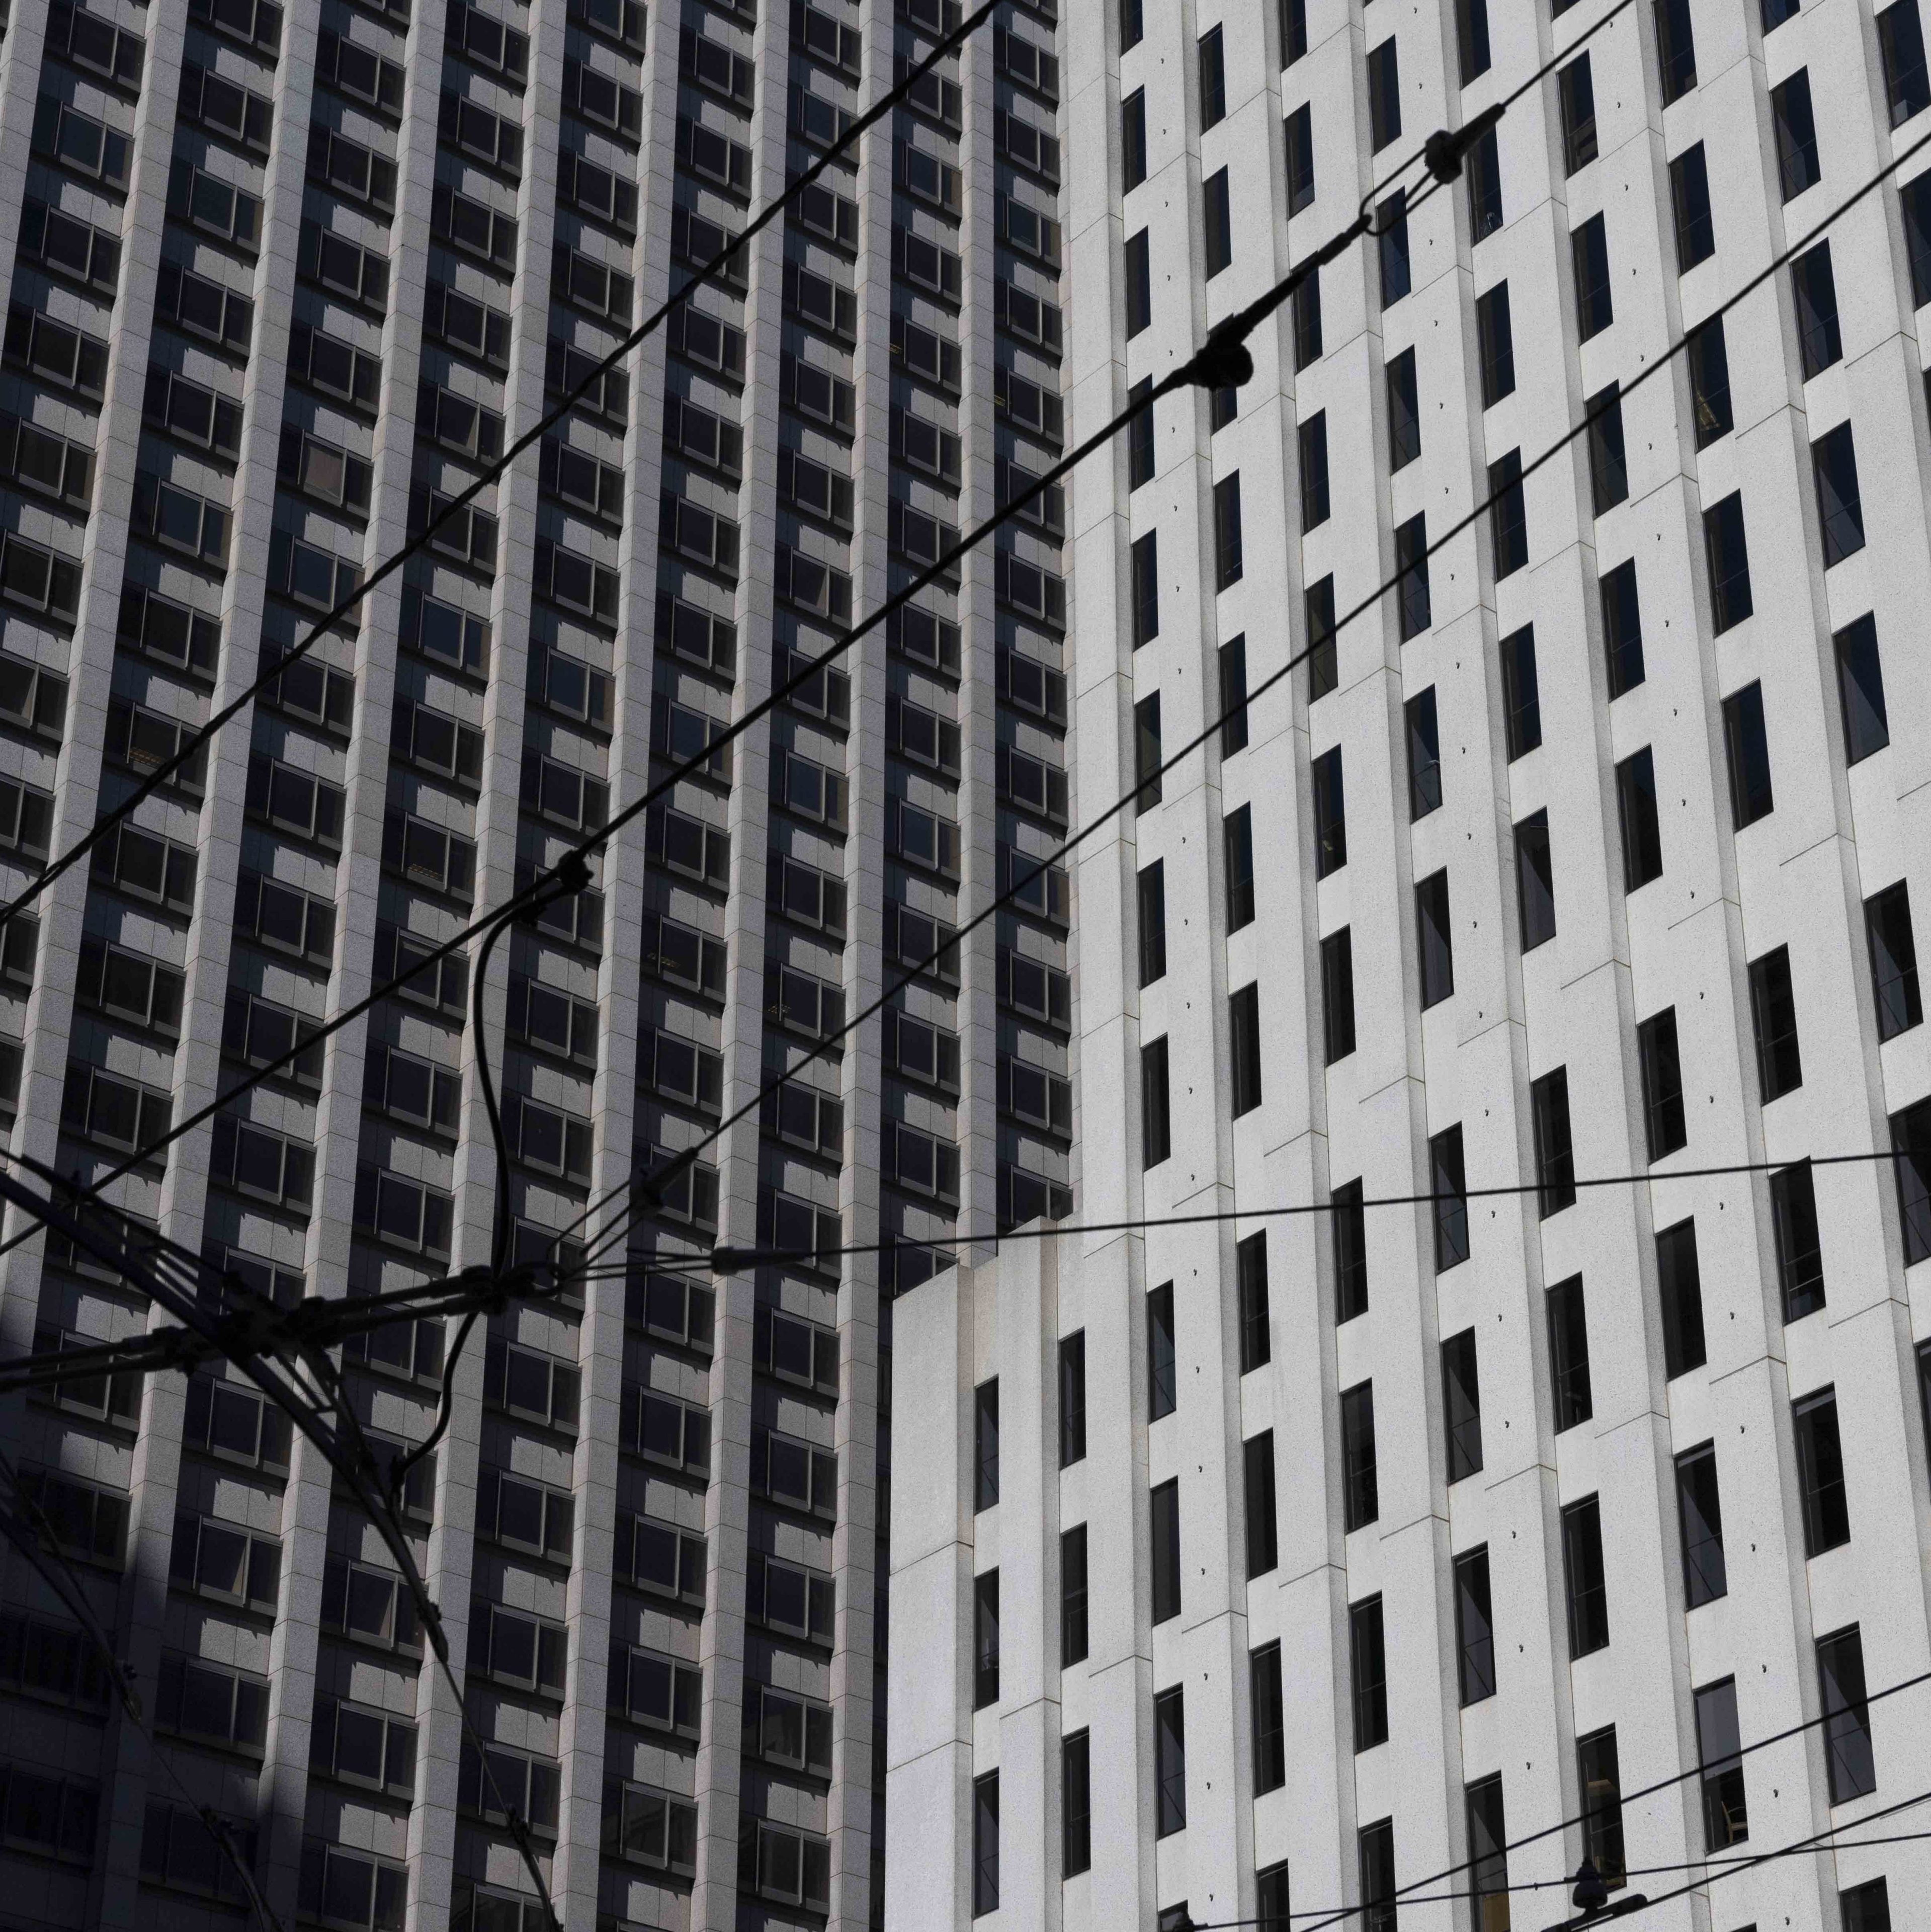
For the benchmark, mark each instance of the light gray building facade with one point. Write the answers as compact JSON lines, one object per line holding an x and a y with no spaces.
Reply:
{"x":281,"y":280}
{"x":1272,"y":1562}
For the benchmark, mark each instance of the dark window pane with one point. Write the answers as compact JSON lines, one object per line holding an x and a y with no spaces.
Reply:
{"x":1700,"y":1520}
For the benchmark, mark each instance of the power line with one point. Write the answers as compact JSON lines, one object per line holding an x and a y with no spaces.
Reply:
{"x":192,"y":744}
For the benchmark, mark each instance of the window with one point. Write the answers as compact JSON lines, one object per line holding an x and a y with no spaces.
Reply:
{"x":1250,"y":1264}
{"x":1232,"y":658}
{"x":1337,"y":995}
{"x":1583,"y":1579}
{"x":1498,"y":344}
{"x":1307,"y":321}
{"x":1130,"y":27}
{"x":1866,"y":1907}
{"x":1270,"y":1740}
{"x":1508,"y":514}
{"x":1139,"y":279}
{"x":1156,"y":1119}
{"x":1213,"y":80}
{"x":1133,"y":138}
{"x":1163,"y":1368}
{"x":1375,"y":1850}
{"x":1797,"y":166}
{"x":1914,"y":199}
{"x":1911,"y":1144}
{"x":1313,"y":442}
{"x":1709,"y":362}
{"x":1662,"y":1084}
{"x":1324,"y":656}
{"x":1450,"y":1186}
{"x":1488,"y":1853}
{"x":1522,"y":694}
{"x":1535,"y":881}
{"x":1484,"y":166}
{"x":1404,"y":411}
{"x":1243,"y":1028}
{"x":1840,"y":510}
{"x":1146,"y":568}
{"x":986,"y":1638}
{"x":1350,"y":1220}
{"x":1598,"y":1780}
{"x":1554,"y":1151}
{"x":1076,"y":1804}
{"x":1330,"y":813}
{"x":1589,"y":258}
{"x":1636,"y":815}
{"x":1893,"y":954}
{"x":1360,"y":1493}
{"x":1720,"y":1755}
{"x":1774,"y":1017}
{"x":1368,"y":1673}
{"x":1569,"y":1353}
{"x":1819,"y":339}
{"x":1746,"y":748}
{"x":1679,"y":1287}
{"x":1217,"y":219}
{"x":1820,"y":1472}
{"x":1384,"y":95}
{"x":1170,"y":1761}
{"x":1073,"y":1399}
{"x":1435,"y":939}
{"x":1072,"y":1596}
{"x":1700,"y":1518}
{"x":1412,"y":594}
{"x":1236,"y":834}
{"x":985,"y":1444}
{"x":1391,"y":228}
{"x":1676,"y":49}
{"x":1576,"y":94}
{"x":1474,"y":1628}
{"x":1461,"y":1406}
{"x":1900,"y":40}
{"x":1293,"y":31}
{"x":1227,"y":551}
{"x":1152,"y":895}
{"x":1608,"y":466}
{"x":1164,"y":1508}
{"x":1258,"y":1491}
{"x":1471,"y":39}
{"x":1300,"y":133}
{"x":1860,"y":689}
{"x":1694,"y":227}
{"x":985,"y":1844}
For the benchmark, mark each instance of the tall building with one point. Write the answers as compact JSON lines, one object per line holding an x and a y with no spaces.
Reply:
{"x":1295,"y":1558}
{"x":281,"y":281}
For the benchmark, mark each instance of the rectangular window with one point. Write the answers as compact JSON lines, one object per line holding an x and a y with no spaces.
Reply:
{"x":1140,"y":450}
{"x":1819,"y":338}
{"x":1599,"y":1781}
{"x":1589,"y":258}
{"x":1774,"y":1019}
{"x":1360,"y":1493}
{"x":1155,"y":1118}
{"x":1337,"y":995}
{"x":1746,"y":751}
{"x":1471,"y":39}
{"x":1163,"y":1370}
{"x":1840,"y":508}
{"x":1236,"y":841}
{"x":1351,"y":1251}
{"x":1293,"y":31}
{"x":1893,"y":953}
{"x":1164,"y":1506}
{"x":1576,"y":93}
{"x":1694,"y":226}
{"x":1312,"y":443}
{"x":1072,"y":1596}
{"x":1131,"y":23}
{"x":1496,"y":339}
{"x":1270,"y":1734}
{"x":985,"y":1844}
{"x":1484,"y":168}
{"x":1138,"y":276}
{"x":1636,"y":816}
{"x":1250,"y":1263}
{"x":1411,"y":592}
{"x":1900,"y":40}
{"x":1450,"y":1186}
{"x":1213,"y":80}
{"x":1323,"y":654}
{"x":1228,"y":563}
{"x":1609,"y":463}
{"x":1376,"y":1855}
{"x":1676,"y":49}
{"x":1170,"y":1761}
{"x":1820,"y":1472}
{"x":1727,"y":555}
{"x":1218,"y":222}
{"x":1522,"y":693}
{"x":1554,"y":1149}
{"x":1232,"y":661}
{"x":1720,"y":1755}
{"x":1535,"y":881}
{"x":1797,"y":166}
{"x":1151,"y":888}
{"x":985,"y":1444}
{"x":1866,"y":1907}
{"x":1487,"y":1854}
{"x":1384,"y":95}
{"x":1622,"y":630}
{"x":1307,"y":321}
{"x":1391,"y":228}
{"x":1664,"y":1123}
{"x":1073,"y":1399}
{"x":1508,"y":514}
{"x":1133,"y":138}
{"x":1076,"y":1804}
{"x":1709,"y":360}
{"x":1423,"y":734}
{"x":1257,"y":1458}
{"x":1300,"y":131}
{"x":1699,"y":1516}
{"x":1330,"y":813}
{"x":1474,"y":1628}
{"x":1910,"y":1146}
{"x":1243,"y":1028}
{"x":1146,"y":565}
{"x":1914,"y":200}
{"x":1569,"y":1353}
{"x":1461,"y":1406}
{"x":1583,"y":1580}
{"x":1367,"y":1671}
{"x":985,"y":1639}
{"x":1435,"y":939}
{"x":1146,"y":759}
{"x":1860,"y":689}
{"x":1679,"y":1288}
{"x":1404,"y":411}
{"x":1847,"y":1719}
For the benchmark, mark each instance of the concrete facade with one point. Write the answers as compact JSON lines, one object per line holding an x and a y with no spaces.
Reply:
{"x":279,"y":275}
{"x":1721,"y":976}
